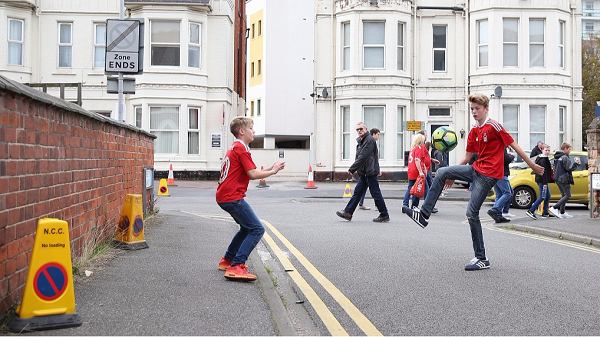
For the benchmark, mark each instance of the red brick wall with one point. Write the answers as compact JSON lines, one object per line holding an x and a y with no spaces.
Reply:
{"x":60,"y":161}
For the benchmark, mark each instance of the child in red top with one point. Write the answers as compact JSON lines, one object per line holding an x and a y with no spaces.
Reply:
{"x":237,"y":169}
{"x":488,"y":139}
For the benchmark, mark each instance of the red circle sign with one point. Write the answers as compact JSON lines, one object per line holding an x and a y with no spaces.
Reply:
{"x":50,"y":281}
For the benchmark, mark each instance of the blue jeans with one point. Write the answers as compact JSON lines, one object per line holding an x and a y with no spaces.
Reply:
{"x":504,"y":193}
{"x":415,"y":200}
{"x":251,"y":231}
{"x":544,"y":196}
{"x":372,"y":183}
{"x":481,"y":186}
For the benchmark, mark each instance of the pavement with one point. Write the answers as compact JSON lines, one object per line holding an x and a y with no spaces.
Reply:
{"x":159,"y":291}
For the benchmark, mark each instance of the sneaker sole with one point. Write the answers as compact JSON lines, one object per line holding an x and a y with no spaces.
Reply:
{"x":478,"y":266}
{"x":531,"y":216}
{"x":236,"y":277}
{"x":414,"y":216}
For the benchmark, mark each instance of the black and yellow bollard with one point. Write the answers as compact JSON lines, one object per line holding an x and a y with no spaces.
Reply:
{"x":130,"y":233}
{"x":49,"y":297}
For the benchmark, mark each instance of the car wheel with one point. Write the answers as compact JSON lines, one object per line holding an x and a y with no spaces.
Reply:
{"x":523,"y":197}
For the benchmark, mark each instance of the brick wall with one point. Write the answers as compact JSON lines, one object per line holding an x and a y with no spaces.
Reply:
{"x":58,"y":160}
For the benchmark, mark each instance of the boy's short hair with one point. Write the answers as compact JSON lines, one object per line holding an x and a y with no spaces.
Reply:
{"x":546,"y":146}
{"x":238,"y":123}
{"x":374,"y":131}
{"x":480,"y":99}
{"x":565,"y":145}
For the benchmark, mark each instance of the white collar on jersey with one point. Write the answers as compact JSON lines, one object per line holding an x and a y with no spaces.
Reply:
{"x":245,"y":145}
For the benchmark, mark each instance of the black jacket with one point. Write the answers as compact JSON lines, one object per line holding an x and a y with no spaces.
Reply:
{"x":563,"y":166}
{"x":535,"y":152}
{"x":508,"y":158}
{"x":366,"y":162}
{"x":545,"y":178}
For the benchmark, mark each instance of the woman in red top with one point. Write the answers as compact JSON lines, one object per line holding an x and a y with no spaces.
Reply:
{"x":417,"y":166}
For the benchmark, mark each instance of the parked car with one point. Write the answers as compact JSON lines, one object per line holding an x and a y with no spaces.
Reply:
{"x":522,"y":180}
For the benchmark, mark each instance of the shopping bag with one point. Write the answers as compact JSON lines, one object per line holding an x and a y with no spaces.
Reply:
{"x":418,"y":189}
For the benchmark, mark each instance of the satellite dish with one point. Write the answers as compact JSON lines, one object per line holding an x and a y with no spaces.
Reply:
{"x":325,"y":93}
{"x":498,"y":91}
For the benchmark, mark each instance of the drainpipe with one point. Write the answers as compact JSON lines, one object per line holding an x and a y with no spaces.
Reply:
{"x":573,"y":55}
{"x":467,"y":71}
{"x":332,"y":104}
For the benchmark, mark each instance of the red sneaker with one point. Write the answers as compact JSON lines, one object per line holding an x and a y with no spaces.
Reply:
{"x":224,"y":264}
{"x":239,"y":272}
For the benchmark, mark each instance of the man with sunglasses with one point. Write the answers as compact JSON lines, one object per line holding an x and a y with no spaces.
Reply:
{"x":366,"y":164}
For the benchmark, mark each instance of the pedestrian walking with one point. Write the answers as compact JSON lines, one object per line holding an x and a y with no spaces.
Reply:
{"x":428,"y":161}
{"x":542,"y":181}
{"x":416,"y":168}
{"x":366,"y":164}
{"x":504,"y":193}
{"x":537,"y":149}
{"x":563,"y":178}
{"x":375,"y":133}
{"x":237,"y":169}
{"x":488,"y":139}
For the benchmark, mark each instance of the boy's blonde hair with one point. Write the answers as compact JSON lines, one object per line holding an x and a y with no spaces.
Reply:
{"x":565,"y":145}
{"x":238,"y":123}
{"x":546,"y":146}
{"x":480,"y":99}
{"x":419,"y":139}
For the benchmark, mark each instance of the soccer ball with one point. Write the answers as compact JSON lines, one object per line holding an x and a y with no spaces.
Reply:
{"x":444,"y":139}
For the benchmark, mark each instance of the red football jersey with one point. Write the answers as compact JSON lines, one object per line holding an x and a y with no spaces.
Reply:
{"x":417,"y":152}
{"x":489,"y":141}
{"x":233,"y":182}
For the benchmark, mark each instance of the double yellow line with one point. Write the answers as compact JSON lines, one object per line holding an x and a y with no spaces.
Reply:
{"x":333,"y":325}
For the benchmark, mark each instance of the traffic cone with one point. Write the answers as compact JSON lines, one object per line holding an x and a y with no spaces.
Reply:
{"x":347,"y":191}
{"x":311,"y":180}
{"x":130,"y":231}
{"x":262,"y":183}
{"x":162,"y":188}
{"x":171,"y":180}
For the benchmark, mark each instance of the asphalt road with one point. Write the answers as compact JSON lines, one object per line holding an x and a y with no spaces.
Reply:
{"x":392,"y":278}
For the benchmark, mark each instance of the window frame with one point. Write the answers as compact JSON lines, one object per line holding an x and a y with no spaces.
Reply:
{"x":400,"y":115}
{"x":258,"y":101}
{"x":513,"y":133}
{"x":400,"y":45}
{"x":346,"y":47}
{"x":20,"y":43}
{"x":371,"y":124}
{"x":562,"y":120}
{"x":162,"y":44}
{"x":138,"y":113}
{"x":346,"y":129}
{"x":483,"y":44}
{"x":68,"y":45}
{"x":506,"y":43}
{"x":438,"y":49}
{"x":175,"y":131}
{"x":192,"y":45}
{"x":191,"y":130}
{"x":537,"y":43}
{"x":561,"y":43}
{"x":378,"y":46}
{"x":539,"y":135}
{"x":99,"y":46}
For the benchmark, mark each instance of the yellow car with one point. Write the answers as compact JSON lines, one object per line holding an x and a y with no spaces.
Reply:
{"x":526,"y":190}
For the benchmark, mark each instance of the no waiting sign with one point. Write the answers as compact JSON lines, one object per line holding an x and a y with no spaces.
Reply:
{"x":122,"y":46}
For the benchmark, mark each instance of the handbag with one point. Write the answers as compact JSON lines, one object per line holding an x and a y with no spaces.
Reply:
{"x":418,"y":189}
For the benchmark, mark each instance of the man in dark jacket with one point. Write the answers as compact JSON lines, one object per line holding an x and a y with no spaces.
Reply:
{"x":563,"y":179}
{"x":366,"y":164}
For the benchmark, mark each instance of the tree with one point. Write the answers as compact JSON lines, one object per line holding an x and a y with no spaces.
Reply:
{"x":590,"y":73}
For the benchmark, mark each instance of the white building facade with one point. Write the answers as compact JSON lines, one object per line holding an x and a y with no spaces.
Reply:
{"x":590,"y":23}
{"x":389,"y":62}
{"x":280,"y":75}
{"x":185,"y":95}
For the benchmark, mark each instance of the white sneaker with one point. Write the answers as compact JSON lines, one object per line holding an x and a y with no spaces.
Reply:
{"x":508,"y":215}
{"x":566,"y":215}
{"x":364,"y":207}
{"x":554,"y":211}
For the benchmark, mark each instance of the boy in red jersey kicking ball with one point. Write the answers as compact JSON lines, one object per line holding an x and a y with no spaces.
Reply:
{"x":237,"y":169}
{"x":488,"y":139}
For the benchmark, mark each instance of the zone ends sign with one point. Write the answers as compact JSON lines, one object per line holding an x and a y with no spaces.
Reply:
{"x":123,"y":44}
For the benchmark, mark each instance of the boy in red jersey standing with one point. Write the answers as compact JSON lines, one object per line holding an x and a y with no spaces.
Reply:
{"x":488,"y":139}
{"x":237,"y":169}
